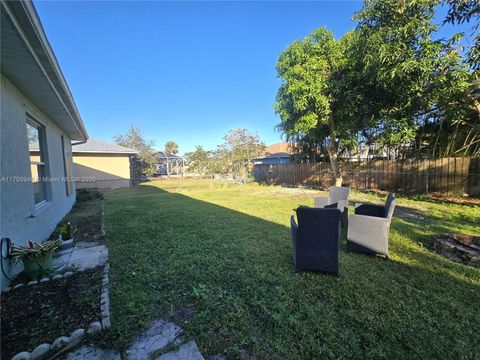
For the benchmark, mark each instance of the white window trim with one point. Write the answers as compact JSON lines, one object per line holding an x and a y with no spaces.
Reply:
{"x":43,"y":149}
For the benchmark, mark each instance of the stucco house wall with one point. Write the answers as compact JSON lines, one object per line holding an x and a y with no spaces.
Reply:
{"x":21,"y":220}
{"x":33,"y":91}
{"x":271,"y":160}
{"x":101,"y":170}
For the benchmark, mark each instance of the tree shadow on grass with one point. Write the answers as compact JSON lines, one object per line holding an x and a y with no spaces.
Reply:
{"x":234,"y":272}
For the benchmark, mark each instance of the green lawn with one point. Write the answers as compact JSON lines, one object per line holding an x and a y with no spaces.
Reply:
{"x":216,"y":259}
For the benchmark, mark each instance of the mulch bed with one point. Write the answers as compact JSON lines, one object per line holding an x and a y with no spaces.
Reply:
{"x":86,"y":218}
{"x":40,"y":313}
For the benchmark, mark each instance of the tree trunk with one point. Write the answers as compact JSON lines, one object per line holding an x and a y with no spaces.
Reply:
{"x":437,"y":138}
{"x":333,"y":155}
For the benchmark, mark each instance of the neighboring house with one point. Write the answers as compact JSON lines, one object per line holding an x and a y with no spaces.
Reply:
{"x":366,"y":152}
{"x":278,"y":153}
{"x":38,"y":121}
{"x":98,"y":164}
{"x":169,"y":164}
{"x":375,"y":151}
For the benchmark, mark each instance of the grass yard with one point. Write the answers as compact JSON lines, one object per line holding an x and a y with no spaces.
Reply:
{"x":216,"y":259}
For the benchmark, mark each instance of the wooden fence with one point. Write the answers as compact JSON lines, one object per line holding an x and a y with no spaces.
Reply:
{"x":460,"y":175}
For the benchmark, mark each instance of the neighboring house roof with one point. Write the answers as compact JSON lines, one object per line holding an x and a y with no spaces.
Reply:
{"x":167,"y":155}
{"x":278,"y":150}
{"x":281,"y":147}
{"x":276,"y":155}
{"x":97,"y":146}
{"x":28,"y":61}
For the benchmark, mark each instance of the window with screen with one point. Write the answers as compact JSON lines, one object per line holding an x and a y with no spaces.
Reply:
{"x":67,"y":166}
{"x":38,"y":165}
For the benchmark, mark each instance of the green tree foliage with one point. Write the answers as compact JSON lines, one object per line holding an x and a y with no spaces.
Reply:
{"x":417,"y":87}
{"x":171,"y":147}
{"x":240,"y":147}
{"x":198,"y":160}
{"x":133,"y":138}
{"x":233,"y":157}
{"x":309,"y":98}
{"x":461,"y":11}
{"x":391,"y":81}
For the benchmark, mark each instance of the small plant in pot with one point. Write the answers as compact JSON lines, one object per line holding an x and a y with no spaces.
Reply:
{"x":66,"y":231}
{"x":36,"y":258}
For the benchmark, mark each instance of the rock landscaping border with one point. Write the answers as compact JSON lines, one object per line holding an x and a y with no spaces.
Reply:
{"x":63,"y":343}
{"x":105,"y":299}
{"x":42,"y":280}
{"x":102,"y":223}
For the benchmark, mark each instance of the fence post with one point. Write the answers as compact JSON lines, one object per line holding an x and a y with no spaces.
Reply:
{"x":426,"y":177}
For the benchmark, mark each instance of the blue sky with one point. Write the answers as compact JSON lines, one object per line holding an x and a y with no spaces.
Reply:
{"x":182,"y":71}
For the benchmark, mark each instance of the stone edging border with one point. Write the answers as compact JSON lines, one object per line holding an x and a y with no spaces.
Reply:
{"x":102,"y":224}
{"x":77,"y":336}
{"x":42,"y":280}
{"x":105,"y":299}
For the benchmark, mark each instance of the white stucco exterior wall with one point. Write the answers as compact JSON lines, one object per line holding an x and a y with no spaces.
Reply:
{"x":21,"y":220}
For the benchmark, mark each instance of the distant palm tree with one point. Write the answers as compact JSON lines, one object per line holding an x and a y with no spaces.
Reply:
{"x":171,"y":147}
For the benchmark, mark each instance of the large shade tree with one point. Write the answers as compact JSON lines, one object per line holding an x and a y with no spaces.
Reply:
{"x":391,"y":82}
{"x":417,"y":86}
{"x":308,"y":98}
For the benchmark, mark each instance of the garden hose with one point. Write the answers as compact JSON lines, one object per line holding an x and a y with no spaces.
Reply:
{"x":4,"y":255}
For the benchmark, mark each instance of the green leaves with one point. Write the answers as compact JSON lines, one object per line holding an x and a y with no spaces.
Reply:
{"x":233,"y":157}
{"x":309,"y":71}
{"x":134,"y":138}
{"x":466,"y":11}
{"x":390,"y":81}
{"x":171,"y":147}
{"x":35,"y":250}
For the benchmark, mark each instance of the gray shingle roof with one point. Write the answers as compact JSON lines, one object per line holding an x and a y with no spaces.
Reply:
{"x":97,"y":146}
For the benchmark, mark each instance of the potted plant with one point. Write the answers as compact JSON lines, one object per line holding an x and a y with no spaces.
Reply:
{"x":66,"y":231}
{"x":36,"y":258}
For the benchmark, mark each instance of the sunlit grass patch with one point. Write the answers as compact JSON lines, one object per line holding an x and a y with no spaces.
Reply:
{"x":223,"y":252}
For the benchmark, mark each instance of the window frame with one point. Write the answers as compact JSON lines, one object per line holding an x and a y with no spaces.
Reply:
{"x":43,"y":163}
{"x":67,"y":166}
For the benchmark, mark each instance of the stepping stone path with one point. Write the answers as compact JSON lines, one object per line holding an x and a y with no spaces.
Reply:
{"x":160,"y":334}
{"x":94,"y":353}
{"x":147,"y":346}
{"x":83,"y":255}
{"x":188,"y":351}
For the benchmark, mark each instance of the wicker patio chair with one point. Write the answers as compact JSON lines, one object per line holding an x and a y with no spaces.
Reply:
{"x":369,"y":227}
{"x":336,"y":195}
{"x":316,"y":239}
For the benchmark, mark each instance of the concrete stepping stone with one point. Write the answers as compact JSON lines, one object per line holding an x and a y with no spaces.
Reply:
{"x":86,"y":244}
{"x":158,"y":336}
{"x":88,"y":258}
{"x":188,"y":351}
{"x":82,"y":256}
{"x":89,"y":352}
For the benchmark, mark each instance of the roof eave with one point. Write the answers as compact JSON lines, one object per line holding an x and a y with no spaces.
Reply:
{"x":104,"y":152}
{"x":33,"y":34}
